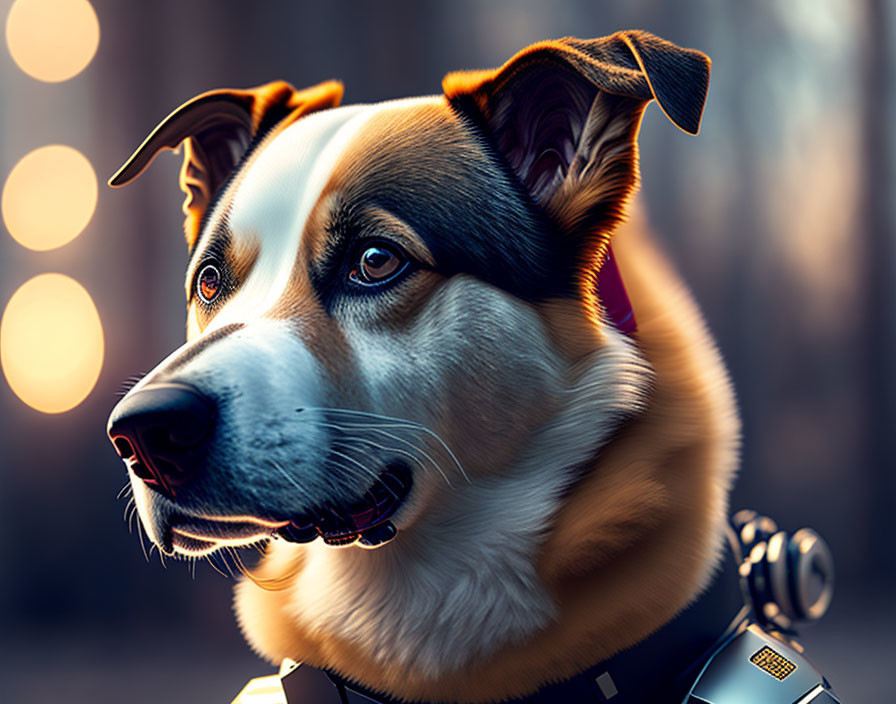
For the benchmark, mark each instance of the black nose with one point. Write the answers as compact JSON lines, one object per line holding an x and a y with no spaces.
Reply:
{"x":160,"y":432}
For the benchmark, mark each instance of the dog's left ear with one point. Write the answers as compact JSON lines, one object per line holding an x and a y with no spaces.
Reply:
{"x":564,"y":114}
{"x":217,"y":128}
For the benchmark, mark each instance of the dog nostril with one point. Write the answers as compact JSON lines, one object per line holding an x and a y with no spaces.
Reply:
{"x":125,"y":449}
{"x":141,"y":471}
{"x":168,"y":469}
{"x":159,"y":440}
{"x":161,"y":432}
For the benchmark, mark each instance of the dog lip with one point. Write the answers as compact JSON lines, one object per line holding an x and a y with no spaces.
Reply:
{"x":201,"y":534}
{"x":343,"y":525}
{"x":189,"y":544}
{"x":366,"y":521}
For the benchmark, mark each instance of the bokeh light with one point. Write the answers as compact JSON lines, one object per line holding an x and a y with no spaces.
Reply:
{"x":51,"y":343}
{"x":52,"y":40}
{"x":49,"y":197}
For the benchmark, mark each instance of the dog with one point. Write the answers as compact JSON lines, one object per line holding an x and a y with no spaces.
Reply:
{"x":478,"y":423}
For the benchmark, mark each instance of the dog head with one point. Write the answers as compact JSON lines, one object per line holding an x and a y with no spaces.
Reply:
{"x":394,"y":338}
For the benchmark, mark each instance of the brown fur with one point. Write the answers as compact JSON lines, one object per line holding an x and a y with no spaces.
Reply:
{"x":277,"y":98}
{"x":239,"y":258}
{"x":634,"y":543}
{"x":637,"y":537}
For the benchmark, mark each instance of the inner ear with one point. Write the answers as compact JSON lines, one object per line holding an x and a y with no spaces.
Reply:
{"x":217,"y":129}
{"x":571,"y":145}
{"x":214,"y":153}
{"x":538,"y":126}
{"x":564,"y":116}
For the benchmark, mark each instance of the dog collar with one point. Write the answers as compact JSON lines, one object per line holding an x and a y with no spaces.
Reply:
{"x":611,"y":292}
{"x":657,"y":670}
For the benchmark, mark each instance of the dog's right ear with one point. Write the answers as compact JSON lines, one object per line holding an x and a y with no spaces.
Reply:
{"x":217,"y":128}
{"x":564,"y":115}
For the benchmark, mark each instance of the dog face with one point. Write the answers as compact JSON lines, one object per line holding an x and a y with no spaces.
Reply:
{"x":393,"y":339}
{"x":335,"y":317}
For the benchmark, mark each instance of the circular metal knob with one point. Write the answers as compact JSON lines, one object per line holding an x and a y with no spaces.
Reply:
{"x":788,"y":577}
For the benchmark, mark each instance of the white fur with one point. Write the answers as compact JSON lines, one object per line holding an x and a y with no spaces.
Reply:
{"x":265,"y":364}
{"x":271,"y":373}
{"x":272,"y":199}
{"x":463,"y":583}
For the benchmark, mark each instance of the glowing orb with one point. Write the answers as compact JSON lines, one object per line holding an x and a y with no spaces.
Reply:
{"x":52,"y":40}
{"x":49,"y":197}
{"x":51,"y":343}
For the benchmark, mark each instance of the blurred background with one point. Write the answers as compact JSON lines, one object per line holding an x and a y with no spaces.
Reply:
{"x":779,"y":215}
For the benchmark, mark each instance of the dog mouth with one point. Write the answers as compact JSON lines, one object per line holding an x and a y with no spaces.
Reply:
{"x":365,"y":521}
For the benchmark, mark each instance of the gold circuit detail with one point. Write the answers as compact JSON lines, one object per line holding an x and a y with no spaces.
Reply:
{"x":771,"y":662}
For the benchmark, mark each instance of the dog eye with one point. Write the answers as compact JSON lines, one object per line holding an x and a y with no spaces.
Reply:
{"x":377,"y":264}
{"x":208,"y":283}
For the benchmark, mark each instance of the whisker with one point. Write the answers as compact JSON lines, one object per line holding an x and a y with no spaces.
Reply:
{"x":292,"y":481}
{"x":268,"y":584}
{"x":346,"y":445}
{"x":129,"y":383}
{"x":212,"y":558}
{"x":364,"y":468}
{"x":402,"y":422}
{"x":349,"y":470}
{"x":223,"y":555}
{"x":392,"y":449}
{"x":140,"y":537}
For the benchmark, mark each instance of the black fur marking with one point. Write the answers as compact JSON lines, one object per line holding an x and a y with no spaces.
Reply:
{"x":460,"y":199}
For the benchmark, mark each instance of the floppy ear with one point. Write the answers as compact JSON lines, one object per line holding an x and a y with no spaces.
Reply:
{"x":564,"y":115}
{"x":218,"y":128}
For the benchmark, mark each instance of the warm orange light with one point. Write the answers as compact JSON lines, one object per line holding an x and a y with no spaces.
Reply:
{"x":49,"y":197}
{"x":52,"y":40}
{"x":51,"y":343}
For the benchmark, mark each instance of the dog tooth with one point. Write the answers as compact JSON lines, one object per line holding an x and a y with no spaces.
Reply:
{"x":304,"y":533}
{"x":340,"y":540}
{"x":378,"y":535}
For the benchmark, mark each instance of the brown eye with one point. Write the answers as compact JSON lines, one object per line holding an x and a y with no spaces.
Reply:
{"x":208,"y":283}
{"x":378,"y":263}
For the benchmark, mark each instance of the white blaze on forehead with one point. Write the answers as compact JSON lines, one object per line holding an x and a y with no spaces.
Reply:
{"x":275,"y":197}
